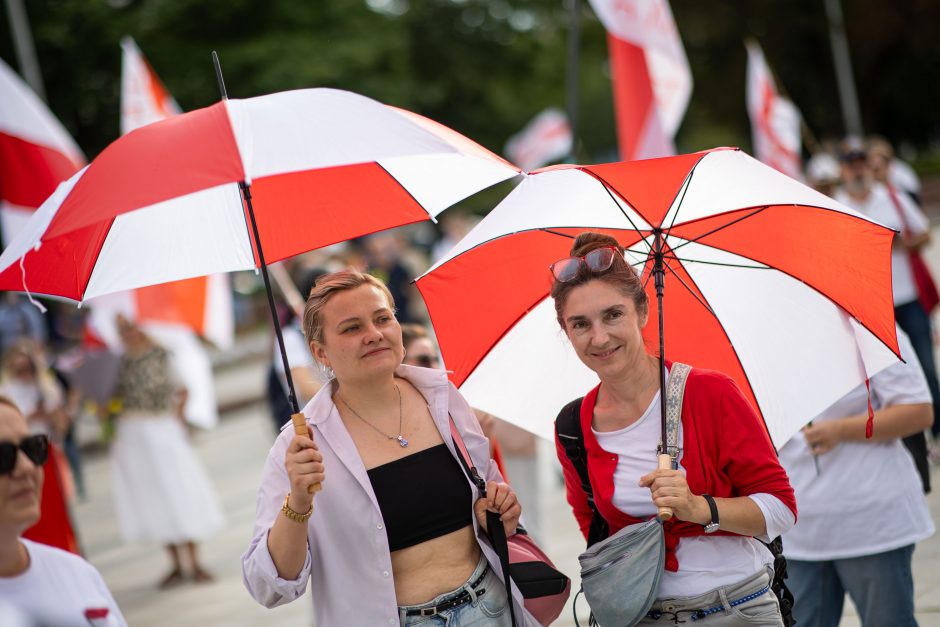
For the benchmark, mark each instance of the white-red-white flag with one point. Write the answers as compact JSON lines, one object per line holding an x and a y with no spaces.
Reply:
{"x":144,"y":99}
{"x":36,"y":152}
{"x":652,"y":81}
{"x":775,"y":121}
{"x":546,"y":138}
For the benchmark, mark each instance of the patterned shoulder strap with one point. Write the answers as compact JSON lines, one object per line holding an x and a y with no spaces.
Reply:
{"x":675,"y":392}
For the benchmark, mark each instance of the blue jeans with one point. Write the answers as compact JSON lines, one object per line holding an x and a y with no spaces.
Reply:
{"x":489,"y":609}
{"x":881,"y":587}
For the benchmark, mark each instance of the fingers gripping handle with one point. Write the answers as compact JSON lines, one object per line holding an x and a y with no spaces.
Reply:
{"x":300,"y":428}
{"x":665,"y":463}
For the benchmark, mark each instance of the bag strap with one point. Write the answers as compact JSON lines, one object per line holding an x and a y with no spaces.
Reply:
{"x":675,"y":393}
{"x":495,"y":529}
{"x":905,"y":227}
{"x":568,"y":430}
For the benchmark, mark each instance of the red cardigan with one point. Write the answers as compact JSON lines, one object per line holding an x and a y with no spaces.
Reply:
{"x":726,"y":452}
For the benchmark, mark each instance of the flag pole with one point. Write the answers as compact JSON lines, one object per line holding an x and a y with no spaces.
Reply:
{"x":572,"y":75}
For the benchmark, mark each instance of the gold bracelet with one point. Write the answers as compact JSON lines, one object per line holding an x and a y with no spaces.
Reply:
{"x":296,"y":516}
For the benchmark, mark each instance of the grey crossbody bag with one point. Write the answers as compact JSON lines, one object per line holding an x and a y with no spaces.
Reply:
{"x":620,"y":574}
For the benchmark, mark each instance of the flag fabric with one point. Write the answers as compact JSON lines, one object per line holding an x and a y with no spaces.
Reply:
{"x":546,"y":138}
{"x":36,"y":152}
{"x":144,"y":99}
{"x":652,"y":81}
{"x":775,"y":121}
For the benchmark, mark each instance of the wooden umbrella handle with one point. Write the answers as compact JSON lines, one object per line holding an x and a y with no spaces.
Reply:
{"x":300,"y":428}
{"x":665,"y":463}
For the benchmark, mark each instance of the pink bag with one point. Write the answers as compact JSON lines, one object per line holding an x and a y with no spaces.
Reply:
{"x":544,"y":588}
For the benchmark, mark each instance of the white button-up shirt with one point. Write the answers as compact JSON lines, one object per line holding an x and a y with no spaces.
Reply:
{"x":348,"y":561}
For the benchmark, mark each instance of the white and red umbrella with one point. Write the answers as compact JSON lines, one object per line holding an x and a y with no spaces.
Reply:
{"x":239,"y":184}
{"x":164,"y":202}
{"x":778,"y":286}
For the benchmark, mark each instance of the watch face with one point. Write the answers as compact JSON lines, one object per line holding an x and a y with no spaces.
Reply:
{"x":711,"y":527}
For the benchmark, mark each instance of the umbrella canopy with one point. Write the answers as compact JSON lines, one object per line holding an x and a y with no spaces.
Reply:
{"x":168,"y":201}
{"x":780,"y":287}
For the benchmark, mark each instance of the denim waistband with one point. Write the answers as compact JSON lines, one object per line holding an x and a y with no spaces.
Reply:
{"x":469,"y":587}
{"x":724,"y":597}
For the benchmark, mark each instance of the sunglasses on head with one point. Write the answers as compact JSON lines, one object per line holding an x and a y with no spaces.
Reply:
{"x":597,"y":260}
{"x":36,"y":448}
{"x":425,"y":361}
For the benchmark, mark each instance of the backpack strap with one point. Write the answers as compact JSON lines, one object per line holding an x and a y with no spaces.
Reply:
{"x":568,"y":430}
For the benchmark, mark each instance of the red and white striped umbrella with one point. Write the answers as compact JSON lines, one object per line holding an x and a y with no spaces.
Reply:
{"x":165,"y":201}
{"x":778,"y":286}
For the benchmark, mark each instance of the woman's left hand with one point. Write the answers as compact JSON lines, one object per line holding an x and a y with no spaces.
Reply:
{"x":822,"y":437}
{"x":670,"y":489}
{"x":500,"y":498}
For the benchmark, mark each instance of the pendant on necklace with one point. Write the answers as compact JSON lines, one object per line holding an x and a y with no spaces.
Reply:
{"x":402,"y":441}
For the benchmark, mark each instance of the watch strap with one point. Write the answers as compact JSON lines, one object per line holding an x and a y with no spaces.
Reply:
{"x":713,"y":507}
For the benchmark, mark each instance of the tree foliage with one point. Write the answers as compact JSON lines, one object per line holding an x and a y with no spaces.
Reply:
{"x":485,"y":67}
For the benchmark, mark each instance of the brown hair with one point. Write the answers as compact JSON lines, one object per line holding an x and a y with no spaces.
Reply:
{"x":411,"y":331}
{"x":324,"y":289}
{"x":620,"y":275}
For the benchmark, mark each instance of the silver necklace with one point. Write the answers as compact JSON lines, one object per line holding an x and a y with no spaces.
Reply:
{"x":402,"y":442}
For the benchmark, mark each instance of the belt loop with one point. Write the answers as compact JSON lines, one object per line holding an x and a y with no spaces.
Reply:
{"x":723,"y":595}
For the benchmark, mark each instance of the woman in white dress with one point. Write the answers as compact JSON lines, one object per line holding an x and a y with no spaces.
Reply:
{"x":161,"y":491}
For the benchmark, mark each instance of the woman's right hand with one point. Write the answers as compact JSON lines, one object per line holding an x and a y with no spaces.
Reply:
{"x":304,"y":464}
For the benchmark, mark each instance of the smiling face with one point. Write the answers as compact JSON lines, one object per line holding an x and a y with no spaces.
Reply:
{"x":604,"y":328}
{"x":20,"y":489}
{"x":361,"y":339}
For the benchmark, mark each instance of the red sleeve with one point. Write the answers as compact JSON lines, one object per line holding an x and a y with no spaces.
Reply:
{"x":745,"y":452}
{"x":576,"y":496}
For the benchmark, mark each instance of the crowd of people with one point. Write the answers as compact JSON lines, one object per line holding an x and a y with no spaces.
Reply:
{"x":339,"y":510}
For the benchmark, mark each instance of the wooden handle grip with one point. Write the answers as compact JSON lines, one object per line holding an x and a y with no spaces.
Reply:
{"x":665,"y":463}
{"x":300,"y":428}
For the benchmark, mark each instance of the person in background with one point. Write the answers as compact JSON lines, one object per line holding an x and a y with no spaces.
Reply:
{"x":862,"y":508}
{"x":307,"y":376}
{"x":42,"y":584}
{"x":161,"y":491}
{"x":29,"y":383}
{"x":862,"y":192}
{"x":396,"y":535}
{"x":823,"y":173}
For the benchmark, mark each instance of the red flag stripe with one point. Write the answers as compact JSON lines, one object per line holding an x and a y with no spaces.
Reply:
{"x":30,"y":172}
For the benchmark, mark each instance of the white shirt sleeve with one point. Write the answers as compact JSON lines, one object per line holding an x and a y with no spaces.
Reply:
{"x":258,"y":570}
{"x":917,"y":222}
{"x":777,"y":516}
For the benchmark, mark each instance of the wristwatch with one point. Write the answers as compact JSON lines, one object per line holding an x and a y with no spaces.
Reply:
{"x":711,"y":527}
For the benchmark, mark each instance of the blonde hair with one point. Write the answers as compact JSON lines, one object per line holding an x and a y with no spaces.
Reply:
{"x":324,"y":289}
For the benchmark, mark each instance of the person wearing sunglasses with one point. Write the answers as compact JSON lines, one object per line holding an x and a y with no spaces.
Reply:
{"x":729,"y":488}
{"x":39,"y":584}
{"x":396,"y":534}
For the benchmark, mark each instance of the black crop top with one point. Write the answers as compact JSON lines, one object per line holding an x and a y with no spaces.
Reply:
{"x":422,"y":496}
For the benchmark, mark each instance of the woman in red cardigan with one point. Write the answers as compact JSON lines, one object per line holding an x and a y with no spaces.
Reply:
{"x":714,"y":564}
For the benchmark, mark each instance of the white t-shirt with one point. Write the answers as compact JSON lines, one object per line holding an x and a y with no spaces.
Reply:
{"x":879,"y":207}
{"x":705,"y":562}
{"x":867,"y":497}
{"x":62,"y":589}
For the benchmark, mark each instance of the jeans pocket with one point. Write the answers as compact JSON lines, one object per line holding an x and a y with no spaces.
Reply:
{"x":494,"y":602}
{"x":764,"y":610}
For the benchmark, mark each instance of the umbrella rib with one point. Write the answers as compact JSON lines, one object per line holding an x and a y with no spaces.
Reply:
{"x":625,"y":214}
{"x":724,"y":226}
{"x":717,"y":263}
{"x":691,"y":291}
{"x":685,"y":189}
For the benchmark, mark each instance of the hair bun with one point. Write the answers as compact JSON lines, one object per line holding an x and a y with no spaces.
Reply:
{"x":589,"y":240}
